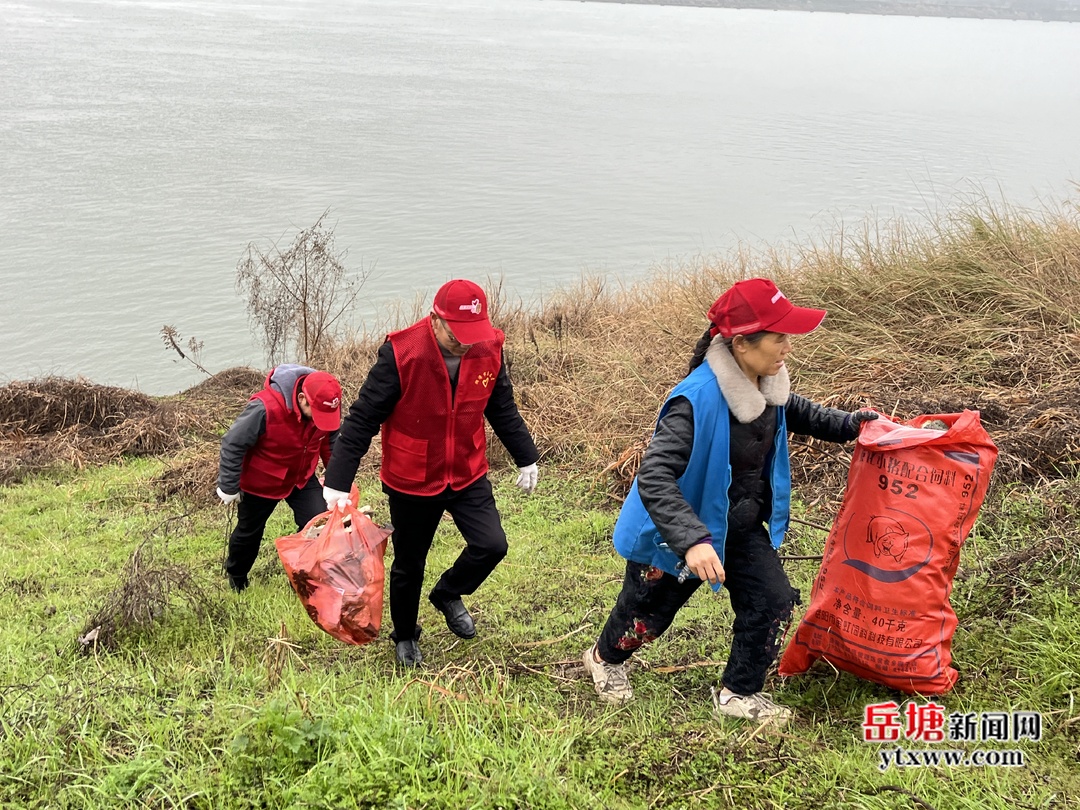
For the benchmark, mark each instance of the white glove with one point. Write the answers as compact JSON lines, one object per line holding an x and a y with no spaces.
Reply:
{"x":226,"y":498}
{"x":526,"y":479}
{"x":335,"y":498}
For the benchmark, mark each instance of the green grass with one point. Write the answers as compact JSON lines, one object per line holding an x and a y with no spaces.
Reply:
{"x":195,"y":713}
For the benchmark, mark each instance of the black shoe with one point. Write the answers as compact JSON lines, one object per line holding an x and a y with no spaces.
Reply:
{"x":458,"y":619}
{"x":408,"y":653}
{"x":237,"y":583}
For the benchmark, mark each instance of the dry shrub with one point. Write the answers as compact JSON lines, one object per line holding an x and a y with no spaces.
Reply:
{"x":350,"y":362}
{"x":160,"y":431}
{"x":592,"y":367}
{"x":212,"y":405}
{"x":52,"y":404}
{"x":297,"y":295}
{"x":232,"y":385}
{"x":622,"y":470}
{"x":150,"y":589}
{"x":55,"y":421}
{"x":191,"y":474}
{"x":21,"y":456}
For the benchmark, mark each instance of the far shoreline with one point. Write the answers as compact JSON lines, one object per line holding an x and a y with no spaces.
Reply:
{"x":1029,"y":10}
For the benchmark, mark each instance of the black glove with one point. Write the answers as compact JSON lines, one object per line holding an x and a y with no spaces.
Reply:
{"x":856,"y":418}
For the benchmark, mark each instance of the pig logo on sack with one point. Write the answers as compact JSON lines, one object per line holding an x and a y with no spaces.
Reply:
{"x":887,"y":548}
{"x":888,"y":537}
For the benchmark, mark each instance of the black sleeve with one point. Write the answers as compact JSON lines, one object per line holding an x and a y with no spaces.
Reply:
{"x":241,"y":437}
{"x":664,"y":463}
{"x":807,"y":418}
{"x":326,"y":450}
{"x":505,"y":419}
{"x":373,"y":406}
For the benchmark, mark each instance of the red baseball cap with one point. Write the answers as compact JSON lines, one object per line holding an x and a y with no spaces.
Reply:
{"x":756,"y":305}
{"x":323,"y":393}
{"x":463,"y":305}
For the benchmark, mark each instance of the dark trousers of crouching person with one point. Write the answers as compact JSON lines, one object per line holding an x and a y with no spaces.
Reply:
{"x":252,"y":513}
{"x":761,"y":597}
{"x":415,"y":519}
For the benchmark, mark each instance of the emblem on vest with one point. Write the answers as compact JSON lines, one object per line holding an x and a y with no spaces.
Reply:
{"x":484,"y":379}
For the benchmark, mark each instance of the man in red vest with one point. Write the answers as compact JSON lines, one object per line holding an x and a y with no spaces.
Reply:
{"x":429,"y":392}
{"x":270,"y":454}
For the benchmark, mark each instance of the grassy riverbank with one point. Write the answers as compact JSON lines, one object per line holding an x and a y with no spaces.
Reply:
{"x":204,"y":699}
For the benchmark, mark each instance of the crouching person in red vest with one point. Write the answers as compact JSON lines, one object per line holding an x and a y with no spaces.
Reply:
{"x":431,"y":388}
{"x":270,"y":454}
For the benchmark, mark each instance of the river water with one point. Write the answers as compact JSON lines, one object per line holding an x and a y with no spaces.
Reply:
{"x":144,"y":144}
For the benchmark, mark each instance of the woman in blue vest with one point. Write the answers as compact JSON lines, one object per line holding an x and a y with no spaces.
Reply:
{"x":710,"y":502}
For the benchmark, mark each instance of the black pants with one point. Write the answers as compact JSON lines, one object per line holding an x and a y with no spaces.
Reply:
{"x":251,"y":515}
{"x":415,"y":519}
{"x":761,"y":596}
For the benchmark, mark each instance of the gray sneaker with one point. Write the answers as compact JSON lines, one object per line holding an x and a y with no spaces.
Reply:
{"x":611,"y":680}
{"x":758,"y":706}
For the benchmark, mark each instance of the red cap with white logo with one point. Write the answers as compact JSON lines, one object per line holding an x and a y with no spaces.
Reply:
{"x":756,"y":305}
{"x":463,"y":305}
{"x":323,"y":393}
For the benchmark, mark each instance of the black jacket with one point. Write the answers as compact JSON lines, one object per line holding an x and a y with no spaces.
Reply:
{"x":669,"y":452}
{"x":381,"y":392}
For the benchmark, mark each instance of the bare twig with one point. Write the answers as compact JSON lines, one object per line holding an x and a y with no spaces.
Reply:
{"x":527,"y":668}
{"x":547,"y":641}
{"x":811,"y":525}
{"x":171,"y":338}
{"x":442,"y":690}
{"x":684,"y":667}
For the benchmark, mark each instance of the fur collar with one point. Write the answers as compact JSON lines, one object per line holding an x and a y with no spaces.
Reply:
{"x":745,"y":401}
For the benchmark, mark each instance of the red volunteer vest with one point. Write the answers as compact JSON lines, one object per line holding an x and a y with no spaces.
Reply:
{"x":287,"y":454}
{"x":433,"y":438}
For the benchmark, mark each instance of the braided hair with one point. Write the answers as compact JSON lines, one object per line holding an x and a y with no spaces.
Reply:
{"x":706,"y":339}
{"x":698,"y":357}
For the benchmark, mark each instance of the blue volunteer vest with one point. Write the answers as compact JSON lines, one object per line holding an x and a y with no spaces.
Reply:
{"x":705,"y":483}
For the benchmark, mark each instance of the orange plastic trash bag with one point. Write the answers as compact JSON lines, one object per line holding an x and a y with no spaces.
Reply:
{"x":335,"y":565}
{"x":879,"y":607}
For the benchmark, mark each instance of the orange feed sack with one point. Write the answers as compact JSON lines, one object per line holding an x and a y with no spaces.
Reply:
{"x":879,"y":607}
